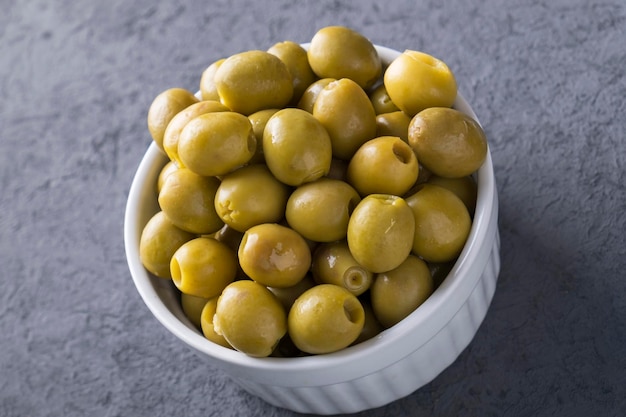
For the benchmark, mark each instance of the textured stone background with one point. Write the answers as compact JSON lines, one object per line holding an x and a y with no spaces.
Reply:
{"x":546,"y":79}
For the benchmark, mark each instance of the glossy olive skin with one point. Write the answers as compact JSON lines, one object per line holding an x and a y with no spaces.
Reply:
{"x":320,"y":210}
{"x":206,"y":323}
{"x":383,"y":165}
{"x":416,"y":81}
{"x":216,"y":143}
{"x":203,"y":267}
{"x":397,"y":293}
{"x":288,"y":295}
{"x":250,"y":196}
{"x":295,"y":58}
{"x":169,"y":167}
{"x":274,"y":255}
{"x":259,"y":120}
{"x":159,"y":240}
{"x":250,"y":318}
{"x":341,"y":52}
{"x":325,"y":318}
{"x":346,"y":112}
{"x":187,"y":200}
{"x":208,"y":89}
{"x":253,"y":80}
{"x":381,"y":231}
{"x":448,"y":142}
{"x":178,"y":122}
{"x":393,"y":124}
{"x":442,"y":223}
{"x":164,"y":107}
{"x":333,"y":263}
{"x":381,"y":101}
{"x":464,"y":187}
{"x":307,"y":100}
{"x":192,"y":307}
{"x":296,"y":146}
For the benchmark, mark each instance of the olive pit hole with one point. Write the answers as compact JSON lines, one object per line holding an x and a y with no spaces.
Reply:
{"x":402,"y":152}
{"x":353,"y":310}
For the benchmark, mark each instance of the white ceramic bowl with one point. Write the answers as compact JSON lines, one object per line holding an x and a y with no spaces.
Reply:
{"x":376,"y":372}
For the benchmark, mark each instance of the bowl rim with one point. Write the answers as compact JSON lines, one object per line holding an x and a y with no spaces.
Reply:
{"x":352,"y":362}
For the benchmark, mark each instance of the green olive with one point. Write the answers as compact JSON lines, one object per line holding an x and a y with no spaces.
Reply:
{"x":448,"y":142}
{"x":347,"y":113}
{"x":416,"y":81}
{"x":259,"y":120}
{"x":464,"y":187}
{"x":371,"y":325}
{"x":333,"y":263}
{"x":380,"y":232}
{"x":307,"y":100}
{"x":187,"y":200}
{"x":178,"y":122}
{"x":206,"y":323}
{"x":170,"y":167}
{"x":295,"y":58}
{"x":288,"y":295}
{"x":192,"y":307}
{"x":381,"y":101}
{"x":249,"y":196}
{"x":383,"y":165}
{"x":274,"y":255}
{"x":229,"y":236}
{"x":250,"y":318}
{"x":341,"y":52}
{"x":442,"y":223}
{"x":397,"y":293}
{"x":253,"y":80}
{"x":160,"y":238}
{"x":338,"y":169}
{"x":164,"y":107}
{"x":208,"y":89}
{"x":216,"y":143}
{"x":393,"y":124}
{"x":325,"y":318}
{"x":440,"y":271}
{"x":320,"y":210}
{"x":296,"y":147}
{"x":203,"y":267}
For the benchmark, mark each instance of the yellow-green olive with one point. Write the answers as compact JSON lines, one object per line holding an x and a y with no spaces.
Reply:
{"x":295,"y":58}
{"x":347,"y":113}
{"x":397,"y":293}
{"x":287,"y":295}
{"x":160,"y":238}
{"x":208,"y":89}
{"x":333,"y":263}
{"x":178,"y":122}
{"x":448,"y":142}
{"x":253,"y":80}
{"x":187,"y":200}
{"x":165,"y":171}
{"x":383,"y":165}
{"x":393,"y":124}
{"x":206,"y":323}
{"x":464,"y":187}
{"x":380,"y":232}
{"x":216,"y":143}
{"x":341,"y":52}
{"x":325,"y":318}
{"x":307,"y":100}
{"x":274,"y":255}
{"x":250,"y":318}
{"x":371,"y":325}
{"x":320,"y":210}
{"x":203,"y":267}
{"x":164,"y":107}
{"x":192,"y":307}
{"x":259,"y":120}
{"x":442,"y":223}
{"x":381,"y":101}
{"x":296,"y":147}
{"x":416,"y":81}
{"x":249,"y":196}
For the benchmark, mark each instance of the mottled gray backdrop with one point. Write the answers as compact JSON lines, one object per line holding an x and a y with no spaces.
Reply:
{"x":546,"y":79}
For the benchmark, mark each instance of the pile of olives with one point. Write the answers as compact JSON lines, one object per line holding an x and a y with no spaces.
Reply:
{"x":313,"y":197}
